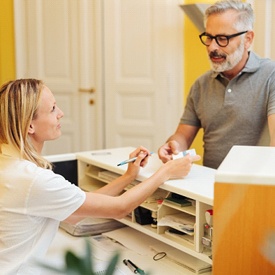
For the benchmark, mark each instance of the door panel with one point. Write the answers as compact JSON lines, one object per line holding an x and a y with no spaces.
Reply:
{"x":143,"y":87}
{"x":54,"y":49}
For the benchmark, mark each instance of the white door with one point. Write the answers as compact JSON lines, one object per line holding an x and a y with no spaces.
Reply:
{"x":133,"y":65}
{"x":143,"y":71}
{"x":55,"y":42}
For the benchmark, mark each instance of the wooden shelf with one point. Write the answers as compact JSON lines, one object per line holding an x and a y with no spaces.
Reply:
{"x":94,"y":174}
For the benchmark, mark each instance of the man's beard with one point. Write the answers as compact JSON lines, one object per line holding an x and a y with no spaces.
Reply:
{"x":230,"y":61}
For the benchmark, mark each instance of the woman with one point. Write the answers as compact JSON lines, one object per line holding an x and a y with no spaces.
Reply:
{"x":33,"y":199}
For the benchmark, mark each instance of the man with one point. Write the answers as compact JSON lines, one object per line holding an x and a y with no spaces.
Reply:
{"x":235,"y":101}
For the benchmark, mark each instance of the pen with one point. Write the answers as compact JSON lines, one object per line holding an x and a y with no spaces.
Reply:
{"x":130,"y":160}
{"x":134,"y":268}
{"x":131,"y":267}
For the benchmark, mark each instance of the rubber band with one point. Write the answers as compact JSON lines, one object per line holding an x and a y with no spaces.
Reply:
{"x":159,"y":256}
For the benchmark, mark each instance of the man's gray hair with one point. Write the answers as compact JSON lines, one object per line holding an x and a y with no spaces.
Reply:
{"x":245,"y":17}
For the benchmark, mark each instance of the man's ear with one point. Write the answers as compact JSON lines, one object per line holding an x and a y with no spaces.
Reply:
{"x":31,"y":129}
{"x":249,"y":37}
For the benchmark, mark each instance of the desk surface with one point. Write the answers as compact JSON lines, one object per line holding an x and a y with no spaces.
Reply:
{"x":198,"y":184}
{"x":248,"y":165}
{"x":63,"y":242}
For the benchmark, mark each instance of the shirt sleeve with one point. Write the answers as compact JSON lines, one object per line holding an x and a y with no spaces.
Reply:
{"x":271,"y":101}
{"x":52,"y":196}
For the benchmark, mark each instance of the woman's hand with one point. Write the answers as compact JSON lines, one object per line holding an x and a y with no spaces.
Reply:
{"x":142,"y":154}
{"x":179,"y":168}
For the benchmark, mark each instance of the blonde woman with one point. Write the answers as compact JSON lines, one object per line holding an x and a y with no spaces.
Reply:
{"x":33,"y":199}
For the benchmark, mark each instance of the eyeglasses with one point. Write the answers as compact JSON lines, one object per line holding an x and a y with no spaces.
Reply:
{"x":221,"y":40}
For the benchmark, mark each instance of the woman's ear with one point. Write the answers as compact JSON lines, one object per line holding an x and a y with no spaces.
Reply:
{"x":31,"y":129}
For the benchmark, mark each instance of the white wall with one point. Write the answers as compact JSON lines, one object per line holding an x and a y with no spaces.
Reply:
{"x":264,"y":43}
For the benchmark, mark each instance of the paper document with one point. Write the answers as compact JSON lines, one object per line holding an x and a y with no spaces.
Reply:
{"x":91,"y":226}
{"x":182,"y":222}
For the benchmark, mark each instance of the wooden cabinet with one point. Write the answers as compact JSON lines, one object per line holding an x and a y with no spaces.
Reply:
{"x":97,"y":168}
{"x":244,"y":212}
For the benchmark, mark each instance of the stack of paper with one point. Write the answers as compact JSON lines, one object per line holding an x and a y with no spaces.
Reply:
{"x":108,"y":175}
{"x":181,"y":221}
{"x":91,"y":226}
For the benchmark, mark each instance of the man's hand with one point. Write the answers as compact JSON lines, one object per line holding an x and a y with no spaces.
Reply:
{"x":167,"y":151}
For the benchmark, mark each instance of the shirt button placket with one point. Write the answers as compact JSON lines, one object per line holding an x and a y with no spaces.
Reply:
{"x":228,"y":97}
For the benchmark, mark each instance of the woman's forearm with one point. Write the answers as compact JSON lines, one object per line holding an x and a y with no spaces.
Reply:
{"x":115,"y":187}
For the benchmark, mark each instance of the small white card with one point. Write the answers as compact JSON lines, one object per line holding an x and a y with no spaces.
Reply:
{"x":191,"y":152}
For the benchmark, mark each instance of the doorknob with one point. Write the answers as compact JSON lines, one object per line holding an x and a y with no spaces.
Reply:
{"x":83,"y":90}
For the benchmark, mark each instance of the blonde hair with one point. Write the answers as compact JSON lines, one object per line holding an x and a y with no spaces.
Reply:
{"x":19,"y":100}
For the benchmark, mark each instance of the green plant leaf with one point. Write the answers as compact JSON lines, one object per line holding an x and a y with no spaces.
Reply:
{"x":74,"y":264}
{"x":87,"y":259}
{"x":112,"y":265}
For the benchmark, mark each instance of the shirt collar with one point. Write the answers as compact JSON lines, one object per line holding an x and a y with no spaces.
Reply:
{"x":252,"y":65}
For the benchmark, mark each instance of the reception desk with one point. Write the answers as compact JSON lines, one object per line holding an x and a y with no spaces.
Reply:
{"x":244,"y":213}
{"x":242,"y":191}
{"x":185,"y":253}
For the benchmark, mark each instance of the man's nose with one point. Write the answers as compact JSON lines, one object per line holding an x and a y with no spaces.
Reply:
{"x":213,"y":45}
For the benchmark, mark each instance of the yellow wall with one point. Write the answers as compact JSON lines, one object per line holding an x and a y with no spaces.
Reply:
{"x":195,"y":62}
{"x":7,"y":53}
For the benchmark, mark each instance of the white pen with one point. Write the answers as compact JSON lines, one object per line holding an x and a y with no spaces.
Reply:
{"x":131,"y":267}
{"x":130,"y":160}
